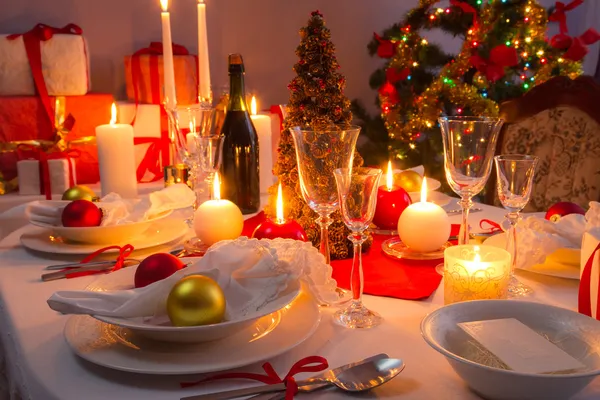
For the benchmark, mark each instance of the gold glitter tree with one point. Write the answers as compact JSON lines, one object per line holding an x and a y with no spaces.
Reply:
{"x":316,"y":98}
{"x":504,"y":54}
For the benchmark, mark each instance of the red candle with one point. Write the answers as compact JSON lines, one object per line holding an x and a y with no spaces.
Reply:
{"x":391,"y":202}
{"x":279,"y":228}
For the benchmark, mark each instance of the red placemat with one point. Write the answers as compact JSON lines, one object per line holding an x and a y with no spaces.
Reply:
{"x":384,"y":275}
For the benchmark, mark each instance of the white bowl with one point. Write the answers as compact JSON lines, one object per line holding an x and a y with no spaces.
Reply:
{"x":574,"y":333}
{"x":161,"y":329}
{"x":102,"y":234}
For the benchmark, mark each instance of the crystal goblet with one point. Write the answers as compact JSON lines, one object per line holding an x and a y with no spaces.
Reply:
{"x":357,"y":191}
{"x":515,"y":180}
{"x":209,"y":150}
{"x":469,"y":145}
{"x":318,"y":154}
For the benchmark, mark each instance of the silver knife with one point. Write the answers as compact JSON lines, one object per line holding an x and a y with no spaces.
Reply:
{"x":458,"y":211}
{"x":278,"y":387}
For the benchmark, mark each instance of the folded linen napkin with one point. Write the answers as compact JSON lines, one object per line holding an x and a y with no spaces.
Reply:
{"x":538,"y":237}
{"x":117,"y":210}
{"x":250,"y":272}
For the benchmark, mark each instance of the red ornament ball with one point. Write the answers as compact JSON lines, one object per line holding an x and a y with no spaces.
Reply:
{"x":81,"y":214}
{"x":155,"y":268}
{"x":560,"y":209}
{"x":270,"y":229}
{"x":390,"y":205}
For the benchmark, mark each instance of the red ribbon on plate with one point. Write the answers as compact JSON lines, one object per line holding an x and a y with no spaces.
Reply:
{"x":493,"y":226}
{"x":124,"y":252}
{"x":307,"y":364}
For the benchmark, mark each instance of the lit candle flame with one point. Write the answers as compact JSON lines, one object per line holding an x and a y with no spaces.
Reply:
{"x":192,"y":127}
{"x":279,"y":207}
{"x":200,"y":1}
{"x":424,"y":190}
{"x":217,"y":187}
{"x":477,"y":257}
{"x":113,"y":114}
{"x":164,"y":5}
{"x":390,"y":177}
{"x":253,"y":106}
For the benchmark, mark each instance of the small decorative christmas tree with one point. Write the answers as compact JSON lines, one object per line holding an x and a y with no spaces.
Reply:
{"x":316,"y":99}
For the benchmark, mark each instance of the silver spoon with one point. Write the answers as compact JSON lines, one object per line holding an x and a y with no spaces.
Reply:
{"x":356,"y":379}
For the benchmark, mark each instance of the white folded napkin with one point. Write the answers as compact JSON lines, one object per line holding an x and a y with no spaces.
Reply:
{"x":117,"y":211}
{"x":538,"y":238}
{"x":250,"y":272}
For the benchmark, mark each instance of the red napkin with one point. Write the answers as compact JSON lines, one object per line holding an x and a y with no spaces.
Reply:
{"x":384,"y":275}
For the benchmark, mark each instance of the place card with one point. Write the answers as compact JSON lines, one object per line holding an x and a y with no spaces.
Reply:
{"x":520,"y":347}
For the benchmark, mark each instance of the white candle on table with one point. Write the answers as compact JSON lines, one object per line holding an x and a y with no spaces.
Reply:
{"x":203,"y":62}
{"x":190,"y":139}
{"x":116,"y":158}
{"x":475,"y":273}
{"x":217,"y":219}
{"x":424,"y":227}
{"x":168,"y":68}
{"x":262,"y":123}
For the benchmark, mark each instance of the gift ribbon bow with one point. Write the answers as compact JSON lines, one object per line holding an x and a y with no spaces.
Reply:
{"x":307,"y":364}
{"x":585,"y":300}
{"x":576,"y":46}
{"x":493,"y":226}
{"x":501,"y":56}
{"x":386,"y":48}
{"x":124,"y":252}
{"x":466,"y":8}
{"x":560,"y":13}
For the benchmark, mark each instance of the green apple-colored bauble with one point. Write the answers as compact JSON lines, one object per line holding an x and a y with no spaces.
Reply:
{"x":79,"y":192}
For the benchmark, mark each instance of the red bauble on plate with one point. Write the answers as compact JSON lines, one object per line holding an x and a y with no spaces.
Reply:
{"x":81,"y":214}
{"x":558,"y":210}
{"x":390,"y":205}
{"x":155,"y":268}
{"x":270,"y":229}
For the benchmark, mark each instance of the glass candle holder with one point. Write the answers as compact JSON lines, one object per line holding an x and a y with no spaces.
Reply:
{"x":475,"y":272}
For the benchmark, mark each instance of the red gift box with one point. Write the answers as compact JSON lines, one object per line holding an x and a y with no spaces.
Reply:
{"x":23,"y":119}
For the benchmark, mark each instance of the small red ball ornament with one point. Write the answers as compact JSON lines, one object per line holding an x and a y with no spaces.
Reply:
{"x":559,"y":210}
{"x":155,"y":268}
{"x":270,"y":229}
{"x":81,"y":214}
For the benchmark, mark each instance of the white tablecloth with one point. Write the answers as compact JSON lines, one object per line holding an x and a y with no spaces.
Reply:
{"x":41,"y":366}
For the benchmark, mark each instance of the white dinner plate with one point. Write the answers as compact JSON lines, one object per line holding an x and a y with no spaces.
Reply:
{"x":159,"y":233}
{"x":564,"y":263}
{"x":160,"y":328}
{"x":118,"y":348}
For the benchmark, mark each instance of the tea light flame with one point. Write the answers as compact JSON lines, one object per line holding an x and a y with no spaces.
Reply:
{"x":279,"y":206}
{"x":389,"y":182}
{"x":253,"y":105}
{"x":424,"y":191}
{"x":217,"y":187}
{"x":164,"y":4}
{"x":192,"y":127}
{"x":113,"y":114}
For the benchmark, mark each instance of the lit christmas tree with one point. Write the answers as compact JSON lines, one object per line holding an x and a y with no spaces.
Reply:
{"x":504,"y":54}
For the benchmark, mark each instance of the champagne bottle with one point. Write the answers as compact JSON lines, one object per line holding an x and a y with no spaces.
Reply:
{"x":240,"y":168}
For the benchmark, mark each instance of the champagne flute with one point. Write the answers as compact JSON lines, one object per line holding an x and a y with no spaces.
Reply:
{"x":357,"y":191}
{"x":515,"y":181}
{"x":319,"y":152}
{"x":469,"y":145}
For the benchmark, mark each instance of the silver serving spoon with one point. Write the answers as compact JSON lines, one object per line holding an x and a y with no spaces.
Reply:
{"x":355,"y":379}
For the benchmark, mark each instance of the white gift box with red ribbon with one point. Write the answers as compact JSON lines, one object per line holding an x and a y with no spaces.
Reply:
{"x":64,"y":59}
{"x":60,"y":173}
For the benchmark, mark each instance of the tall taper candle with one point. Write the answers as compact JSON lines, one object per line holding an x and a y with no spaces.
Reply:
{"x":168,"y":68}
{"x":116,"y":158}
{"x":204,"y":92}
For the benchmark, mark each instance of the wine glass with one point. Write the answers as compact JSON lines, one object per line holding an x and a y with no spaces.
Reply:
{"x":319,"y":152}
{"x":209,"y":151}
{"x":357,"y":192}
{"x":515,"y":181}
{"x":469,"y":145}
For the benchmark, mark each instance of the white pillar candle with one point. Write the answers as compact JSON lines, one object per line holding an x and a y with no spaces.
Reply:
{"x":168,"y":68}
{"x":262,"y":123}
{"x":474,"y":272}
{"x":204,"y":92}
{"x":190,"y":140}
{"x":217,"y":219}
{"x":424,"y":227}
{"x":116,"y":158}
